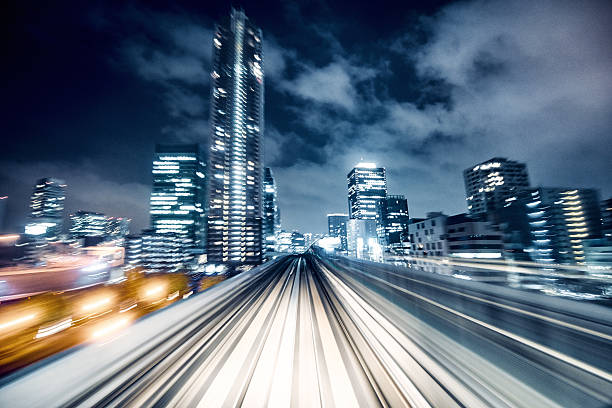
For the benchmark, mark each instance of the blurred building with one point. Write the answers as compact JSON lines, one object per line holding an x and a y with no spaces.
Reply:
{"x":235,"y":155}
{"x":362,"y":239}
{"x":395,"y":220}
{"x":298,"y":243}
{"x":117,"y":227}
{"x":551,"y":224}
{"x":311,"y":238}
{"x":47,"y":210}
{"x":472,"y":238}
{"x":336,"y":227}
{"x":560,"y":220}
{"x":427,"y":237}
{"x":3,"y":205}
{"x":163,"y":252}
{"x":284,"y":242}
{"x":178,"y":196}
{"x":291,"y":242}
{"x":489,"y":184}
{"x":133,"y":251}
{"x":87,"y":224}
{"x":367,"y":188}
{"x":606,"y":218}
{"x":598,"y":253}
{"x":271,"y":214}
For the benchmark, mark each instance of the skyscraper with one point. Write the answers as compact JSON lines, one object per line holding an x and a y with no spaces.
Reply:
{"x":178,"y":196}
{"x":367,"y":187}
{"x":235,"y":165}
{"x":47,"y":209}
{"x":271,"y":213}
{"x":336,"y":227}
{"x":395,"y":219}
{"x":489,"y":184}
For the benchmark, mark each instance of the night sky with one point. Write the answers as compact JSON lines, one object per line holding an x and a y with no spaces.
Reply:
{"x":424,"y":90}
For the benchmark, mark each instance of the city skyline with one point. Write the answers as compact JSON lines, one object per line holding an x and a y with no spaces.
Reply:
{"x":306,"y":133}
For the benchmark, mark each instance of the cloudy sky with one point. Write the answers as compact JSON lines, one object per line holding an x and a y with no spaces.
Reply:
{"x":424,"y":90}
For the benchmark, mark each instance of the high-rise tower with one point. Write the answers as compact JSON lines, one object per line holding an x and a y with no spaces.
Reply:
{"x":367,"y":188}
{"x":235,"y":163}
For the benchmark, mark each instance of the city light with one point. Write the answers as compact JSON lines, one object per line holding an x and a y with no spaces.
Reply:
{"x":464,"y":260}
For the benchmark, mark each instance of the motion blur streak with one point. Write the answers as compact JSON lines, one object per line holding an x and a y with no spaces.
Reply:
{"x":315,"y":330}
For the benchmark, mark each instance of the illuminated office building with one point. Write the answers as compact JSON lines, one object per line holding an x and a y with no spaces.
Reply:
{"x":163,"y":252}
{"x":489,"y":184}
{"x":178,"y":195}
{"x":395,"y":220}
{"x":559,"y":221}
{"x":87,"y":224}
{"x":235,"y":164}
{"x":47,"y":209}
{"x":271,"y":213}
{"x":367,"y":189}
{"x":336,"y":227}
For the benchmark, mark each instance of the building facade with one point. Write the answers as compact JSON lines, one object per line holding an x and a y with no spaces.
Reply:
{"x":47,"y":209}
{"x":178,"y":201}
{"x":133,"y":251}
{"x":367,"y":188}
{"x":606,"y":218}
{"x":87,"y":224}
{"x":117,"y":227}
{"x":271,"y":214}
{"x":336,"y":227}
{"x":163,"y":252}
{"x":235,"y":155}
{"x":489,"y":184}
{"x":471,"y":238}
{"x":362,"y":239}
{"x":395,"y":220}
{"x":560,"y":220}
{"x":427,"y":237}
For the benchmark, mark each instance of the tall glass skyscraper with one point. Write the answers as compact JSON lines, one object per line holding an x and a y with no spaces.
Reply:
{"x":178,"y":200}
{"x":367,"y":188}
{"x":235,"y":163}
{"x":47,"y":209}
{"x":271,"y":212}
